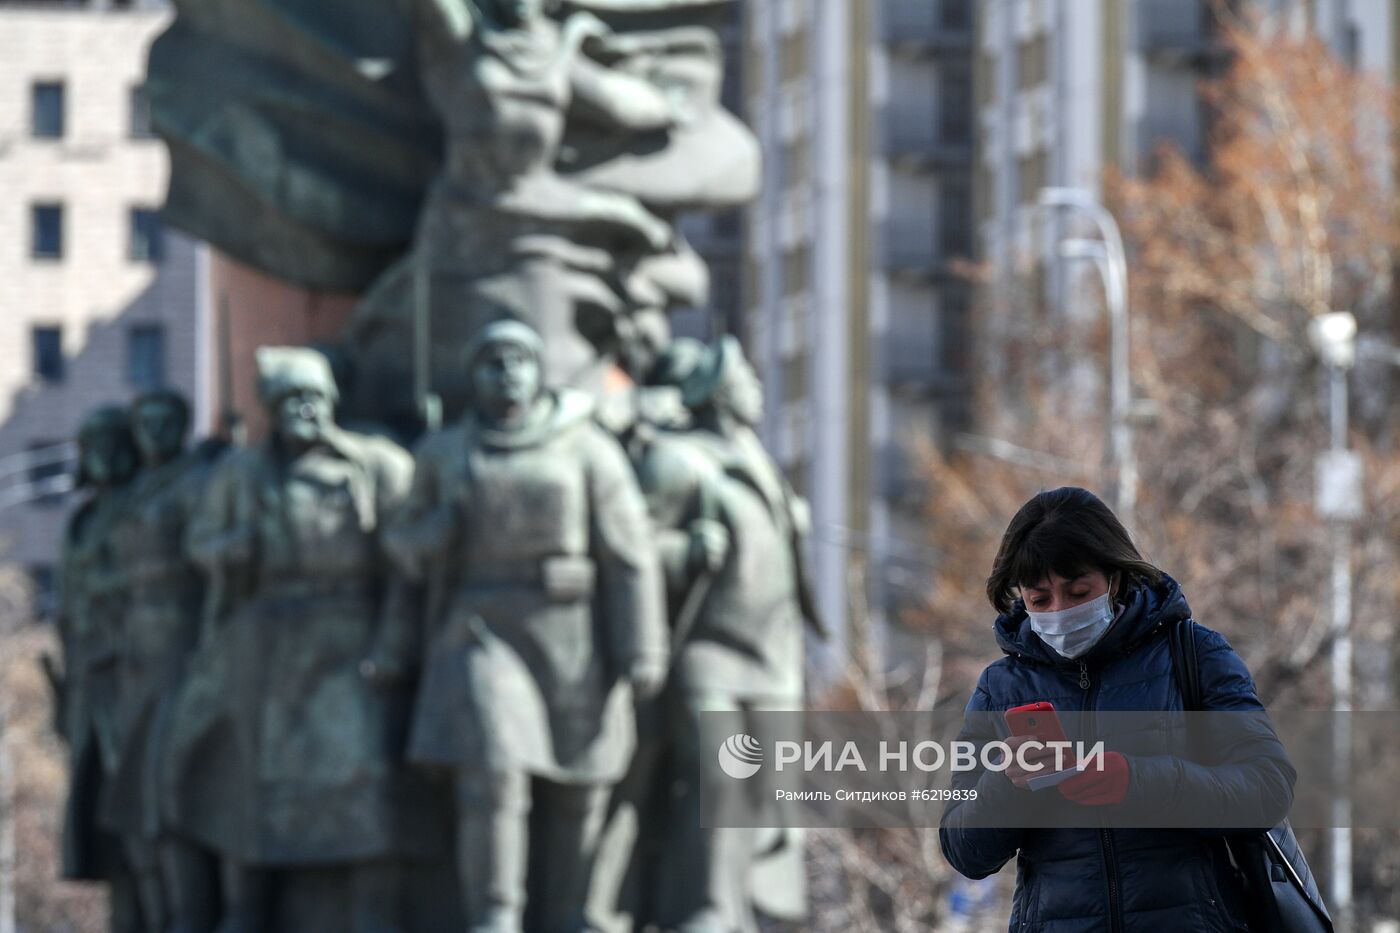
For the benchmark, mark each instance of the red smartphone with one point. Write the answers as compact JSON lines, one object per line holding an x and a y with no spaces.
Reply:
{"x":1041,"y":721}
{"x":1036,"y":719}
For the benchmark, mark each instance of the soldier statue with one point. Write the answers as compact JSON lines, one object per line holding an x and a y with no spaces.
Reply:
{"x":92,"y":599}
{"x":730,"y":533}
{"x":545,"y":609}
{"x":160,"y":629}
{"x":284,"y":757}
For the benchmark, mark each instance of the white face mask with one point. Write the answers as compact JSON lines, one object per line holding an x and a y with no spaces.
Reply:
{"x":1073,"y":631}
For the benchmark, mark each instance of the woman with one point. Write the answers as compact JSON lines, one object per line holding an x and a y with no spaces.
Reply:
{"x":1084,"y":622}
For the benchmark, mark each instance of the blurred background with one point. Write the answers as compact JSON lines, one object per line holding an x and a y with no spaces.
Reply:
{"x":1144,"y":246}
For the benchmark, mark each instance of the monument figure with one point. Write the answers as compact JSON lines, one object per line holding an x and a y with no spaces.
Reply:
{"x":287,"y":702}
{"x":730,"y":532}
{"x":160,"y":628}
{"x":503,"y":233}
{"x":522,"y":159}
{"x":545,"y":615}
{"x":92,"y":599}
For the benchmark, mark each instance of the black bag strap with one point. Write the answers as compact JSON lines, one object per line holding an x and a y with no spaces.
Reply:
{"x":1181,"y":640}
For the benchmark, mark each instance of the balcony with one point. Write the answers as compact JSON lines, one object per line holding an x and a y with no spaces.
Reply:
{"x":1179,"y":34}
{"x":916,"y":251}
{"x":922,"y":355}
{"x":928,"y":27}
{"x":902,"y":476}
{"x":913,"y":366}
{"x":917,"y":141}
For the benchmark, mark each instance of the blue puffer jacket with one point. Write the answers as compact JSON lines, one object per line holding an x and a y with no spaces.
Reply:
{"x":1119,"y":880}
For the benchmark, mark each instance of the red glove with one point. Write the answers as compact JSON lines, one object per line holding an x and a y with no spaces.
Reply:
{"x":1101,"y":787}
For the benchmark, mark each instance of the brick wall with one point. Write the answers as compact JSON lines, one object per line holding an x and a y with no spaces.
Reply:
{"x":263,"y":311}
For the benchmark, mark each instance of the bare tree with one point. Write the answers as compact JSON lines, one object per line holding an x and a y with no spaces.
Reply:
{"x":1293,"y":215}
{"x":31,"y":807}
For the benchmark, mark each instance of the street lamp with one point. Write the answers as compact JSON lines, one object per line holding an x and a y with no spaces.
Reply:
{"x":1339,"y":500}
{"x":1108,"y":255}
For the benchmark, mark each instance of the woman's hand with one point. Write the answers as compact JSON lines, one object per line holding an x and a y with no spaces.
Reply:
{"x":1104,"y":786}
{"x":1044,"y":756}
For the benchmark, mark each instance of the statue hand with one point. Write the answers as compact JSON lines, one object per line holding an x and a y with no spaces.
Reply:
{"x":647,"y":678}
{"x":801,"y":516}
{"x":709,"y":544}
{"x":662,"y":405}
{"x":680,"y":106}
{"x":586,"y":29}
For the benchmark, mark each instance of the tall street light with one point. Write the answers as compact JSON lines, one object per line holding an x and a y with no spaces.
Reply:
{"x":1339,"y":500}
{"x":1108,"y":255}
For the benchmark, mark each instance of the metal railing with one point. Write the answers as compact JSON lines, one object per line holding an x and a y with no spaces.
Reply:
{"x":927,"y":140}
{"x":37,"y":473}
{"x":926,"y":251}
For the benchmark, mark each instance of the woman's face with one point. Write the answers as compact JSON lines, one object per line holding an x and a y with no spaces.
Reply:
{"x":1055,"y":592}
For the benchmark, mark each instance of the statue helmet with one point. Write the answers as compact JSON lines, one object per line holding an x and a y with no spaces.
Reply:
{"x":283,"y":370}
{"x":112,"y":419}
{"x":509,"y":331}
{"x":699,"y":385}
{"x":163,"y":397}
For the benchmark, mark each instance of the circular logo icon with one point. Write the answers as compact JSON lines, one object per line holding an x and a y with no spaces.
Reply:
{"x":740,"y":756}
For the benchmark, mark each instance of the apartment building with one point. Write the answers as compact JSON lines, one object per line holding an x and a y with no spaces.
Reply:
{"x":853,"y":304}
{"x":1067,"y":90}
{"x":100,"y":300}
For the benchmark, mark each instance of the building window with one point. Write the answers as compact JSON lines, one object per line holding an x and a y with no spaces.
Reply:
{"x":955,"y":219}
{"x":796,"y":377}
{"x":1032,"y":62}
{"x":955,"y":105}
{"x":955,"y":14}
{"x":147,"y":235}
{"x":986,"y":79}
{"x":48,"y":353}
{"x":1032,"y":174}
{"x":797,"y":271}
{"x":986,"y":192}
{"x":145,"y":356}
{"x":140,"y":113}
{"x":792,"y":56}
{"x":47,"y":239}
{"x":47,"y":99}
{"x":727,"y":225}
{"x":726,"y":290}
{"x":796,"y":163}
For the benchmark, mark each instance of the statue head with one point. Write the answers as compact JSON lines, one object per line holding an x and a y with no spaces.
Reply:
{"x":513,"y":13}
{"x":643,"y":342}
{"x":106,"y":451}
{"x":159,"y":422}
{"x":505,"y":367}
{"x":298,"y":391}
{"x":722,"y":381}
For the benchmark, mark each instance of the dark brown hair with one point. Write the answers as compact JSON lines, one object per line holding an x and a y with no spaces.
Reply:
{"x":1064,"y":531}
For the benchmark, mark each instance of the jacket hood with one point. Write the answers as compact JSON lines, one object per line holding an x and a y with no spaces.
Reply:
{"x":1148,"y":608}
